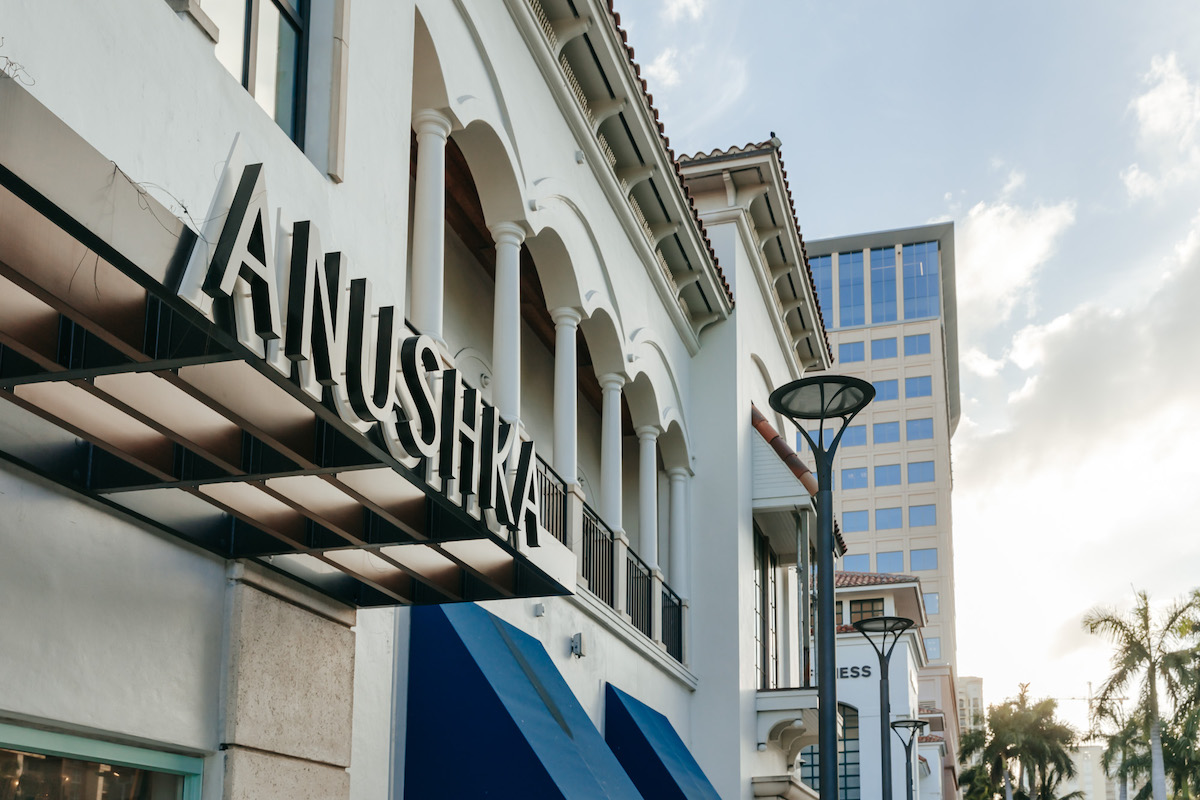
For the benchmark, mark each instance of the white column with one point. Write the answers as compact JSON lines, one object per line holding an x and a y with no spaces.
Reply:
{"x":677,"y":531}
{"x":506,"y":321}
{"x":429,"y":222}
{"x":648,"y":493}
{"x":566,"y":391}
{"x":610,"y":450}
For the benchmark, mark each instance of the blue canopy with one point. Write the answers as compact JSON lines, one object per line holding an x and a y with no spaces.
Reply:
{"x":651,"y":751}
{"x":489,"y":715}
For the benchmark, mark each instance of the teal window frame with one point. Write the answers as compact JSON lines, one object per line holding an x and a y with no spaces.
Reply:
{"x":64,"y":745}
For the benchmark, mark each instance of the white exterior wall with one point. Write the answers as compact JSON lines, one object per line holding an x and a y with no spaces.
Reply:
{"x":863,"y":694}
{"x":167,"y":114}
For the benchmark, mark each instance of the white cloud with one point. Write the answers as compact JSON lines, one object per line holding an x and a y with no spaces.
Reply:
{"x":662,"y":72}
{"x":1001,"y":246}
{"x":676,"y":9}
{"x":1015,"y":181}
{"x":1168,"y":116}
{"x":978,"y":362}
{"x":1082,"y":491}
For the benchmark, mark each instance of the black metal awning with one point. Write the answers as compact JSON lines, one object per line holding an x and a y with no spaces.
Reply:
{"x":119,"y":390}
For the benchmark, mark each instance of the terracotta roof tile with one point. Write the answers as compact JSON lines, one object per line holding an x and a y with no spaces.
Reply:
{"x":793,"y":462}
{"x":847,"y":629}
{"x":847,"y":580}
{"x":930,"y":738}
{"x":666,"y":143}
{"x":774,"y":144}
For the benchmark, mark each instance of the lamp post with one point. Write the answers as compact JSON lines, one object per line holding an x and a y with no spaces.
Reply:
{"x":913,"y":726}
{"x":883,"y":650}
{"x":820,"y":398}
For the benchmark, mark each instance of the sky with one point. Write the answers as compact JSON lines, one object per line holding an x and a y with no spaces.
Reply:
{"x":1062,"y":138}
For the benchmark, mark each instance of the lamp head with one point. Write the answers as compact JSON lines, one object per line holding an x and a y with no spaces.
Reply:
{"x":822,"y":396}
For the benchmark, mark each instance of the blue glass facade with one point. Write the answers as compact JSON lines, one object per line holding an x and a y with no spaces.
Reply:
{"x":887,"y":519}
{"x":883,"y":285}
{"x":886,"y":390}
{"x":921,"y":297}
{"x":850,"y":352}
{"x":855,"y":436}
{"x":860,"y":562}
{"x":883,"y":348}
{"x":920,"y":386}
{"x":855,"y":478}
{"x":919,"y":429}
{"x":822,"y":272}
{"x":886,"y":432}
{"x":890,"y":562}
{"x":923,"y":559}
{"x":916,"y":345}
{"x":887,"y":475}
{"x":852,"y":293}
{"x":922,"y":516}
{"x":920,"y":472}
{"x":855,"y":521}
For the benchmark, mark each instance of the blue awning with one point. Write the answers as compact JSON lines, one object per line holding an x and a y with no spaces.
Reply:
{"x":489,"y":715}
{"x":651,"y":751}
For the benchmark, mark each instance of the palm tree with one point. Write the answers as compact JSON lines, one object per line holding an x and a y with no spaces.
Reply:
{"x":1026,"y":735}
{"x":1144,"y":649}
{"x":1121,"y":747}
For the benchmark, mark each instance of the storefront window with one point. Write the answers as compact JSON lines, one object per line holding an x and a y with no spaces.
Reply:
{"x":51,"y":766}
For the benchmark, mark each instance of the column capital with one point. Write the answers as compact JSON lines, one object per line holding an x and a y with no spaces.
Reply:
{"x":430,"y":120}
{"x":566,"y":316}
{"x":507,"y":233}
{"x":612,"y":380}
{"x":647,"y":432}
{"x":678,"y":473}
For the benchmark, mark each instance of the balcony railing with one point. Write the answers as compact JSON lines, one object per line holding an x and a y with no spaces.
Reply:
{"x":618,"y":577}
{"x":552,"y":501}
{"x":637,"y":593}
{"x":672,"y":623}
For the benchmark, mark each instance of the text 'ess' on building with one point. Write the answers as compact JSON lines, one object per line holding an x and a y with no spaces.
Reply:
{"x":383,"y":414}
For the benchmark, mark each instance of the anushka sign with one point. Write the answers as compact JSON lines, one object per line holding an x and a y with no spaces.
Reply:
{"x":326,"y":336}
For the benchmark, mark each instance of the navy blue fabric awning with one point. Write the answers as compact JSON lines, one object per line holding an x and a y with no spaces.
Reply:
{"x":489,"y":715}
{"x":650,"y":750}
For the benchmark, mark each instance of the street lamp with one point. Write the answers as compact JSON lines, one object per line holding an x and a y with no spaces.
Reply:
{"x":884,"y":626}
{"x":913,"y":726}
{"x":820,"y":398}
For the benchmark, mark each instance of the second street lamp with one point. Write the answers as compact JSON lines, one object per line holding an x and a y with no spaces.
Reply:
{"x":817,"y":399}
{"x":913,"y":726}
{"x":883,"y":626}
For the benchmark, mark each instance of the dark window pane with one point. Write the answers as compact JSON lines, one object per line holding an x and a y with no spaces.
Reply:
{"x":30,"y":775}
{"x":277,"y":71}
{"x":921,"y":280}
{"x":920,"y":472}
{"x":883,"y":348}
{"x":922,"y":516}
{"x":855,"y":521}
{"x":923,"y":559}
{"x":855,"y":478}
{"x":932,"y":603}
{"x":919,"y":429}
{"x":887,"y":519}
{"x":889,"y":562}
{"x":885,"y":432}
{"x":860,"y":562}
{"x":851,"y":352}
{"x":883,"y":285}
{"x":921,"y":386}
{"x":886,"y":390}
{"x":888,"y":474}
{"x":851,"y":290}
{"x":822,"y":271}
{"x":916,"y":345}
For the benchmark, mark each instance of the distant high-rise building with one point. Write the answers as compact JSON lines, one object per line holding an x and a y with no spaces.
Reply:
{"x":889,"y":304}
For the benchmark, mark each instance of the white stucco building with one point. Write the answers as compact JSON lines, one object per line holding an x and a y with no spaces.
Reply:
{"x":378,"y":412}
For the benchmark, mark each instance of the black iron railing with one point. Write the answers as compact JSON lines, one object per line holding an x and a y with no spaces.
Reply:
{"x":637,"y":592}
{"x":597,"y":555}
{"x":552,"y":501}
{"x":672,"y":623}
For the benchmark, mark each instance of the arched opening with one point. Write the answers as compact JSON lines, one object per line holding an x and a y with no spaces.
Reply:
{"x":848,"y":764}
